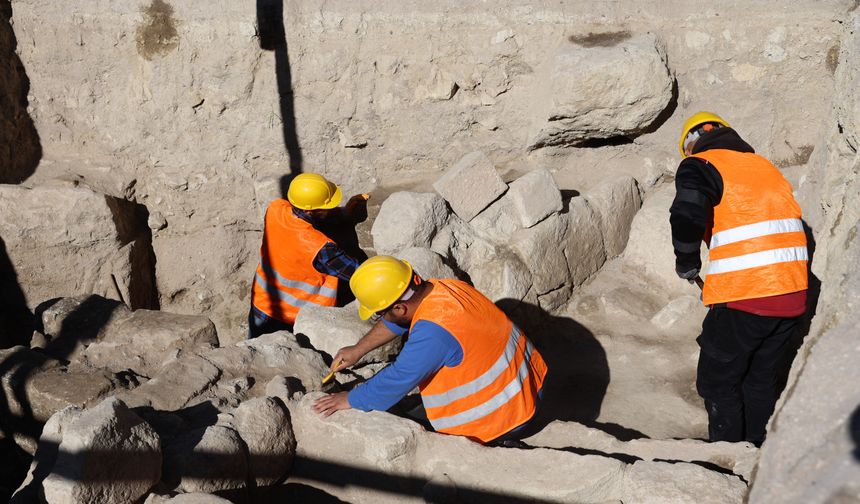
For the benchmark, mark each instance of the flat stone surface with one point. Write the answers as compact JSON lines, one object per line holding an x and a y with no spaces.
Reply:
{"x":470,"y":185}
{"x":616,"y":203}
{"x":540,"y":249}
{"x":535,"y":196}
{"x":584,"y":249}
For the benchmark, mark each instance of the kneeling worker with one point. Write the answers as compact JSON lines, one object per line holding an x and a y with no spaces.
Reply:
{"x":478,"y":374}
{"x":299,"y":264}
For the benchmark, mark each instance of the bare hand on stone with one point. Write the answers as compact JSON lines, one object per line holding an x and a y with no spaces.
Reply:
{"x":347,"y":356}
{"x":327,"y":405}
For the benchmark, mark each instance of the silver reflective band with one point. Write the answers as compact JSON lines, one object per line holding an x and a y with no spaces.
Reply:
{"x":497,"y":401}
{"x":489,"y":376}
{"x":297,"y":284}
{"x":757,"y":259}
{"x":284,"y":296}
{"x":765,"y":228}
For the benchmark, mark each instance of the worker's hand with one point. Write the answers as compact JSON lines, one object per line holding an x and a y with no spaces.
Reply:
{"x":356,"y":208}
{"x":327,"y":405}
{"x":688,"y":273}
{"x":346,"y":356}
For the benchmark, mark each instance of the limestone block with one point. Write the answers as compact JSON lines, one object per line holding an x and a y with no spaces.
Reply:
{"x":662,"y":482}
{"x":206,"y":460}
{"x":602,"y":92}
{"x":147,"y":339}
{"x":177,"y":383}
{"x":649,"y":251}
{"x":470,"y":185}
{"x":739,"y":458}
{"x":186,"y":498}
{"x":264,"y":425}
{"x":19,"y":366}
{"x":681,"y":311}
{"x":535,"y":196}
{"x":426,"y":263}
{"x":499,"y":221}
{"x":72,"y":323}
{"x":108,"y":454}
{"x":615,"y":203}
{"x":541,"y":249}
{"x":502,"y":278}
{"x":54,"y":389}
{"x":273,"y":354}
{"x":408,"y":219}
{"x":583,"y":248}
{"x":331,"y":328}
{"x":45,"y":455}
{"x":67,"y":241}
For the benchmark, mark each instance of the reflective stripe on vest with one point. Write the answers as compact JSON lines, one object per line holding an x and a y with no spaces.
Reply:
{"x":757,"y":259}
{"x":499,"y":367}
{"x":509,"y":392}
{"x":311,"y":290}
{"x":770,"y":227}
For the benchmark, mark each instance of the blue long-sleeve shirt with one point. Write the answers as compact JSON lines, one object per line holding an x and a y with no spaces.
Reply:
{"x":428,"y":349}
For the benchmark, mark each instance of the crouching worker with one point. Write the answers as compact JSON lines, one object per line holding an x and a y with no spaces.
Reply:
{"x":478,"y":374}
{"x":299,"y":263}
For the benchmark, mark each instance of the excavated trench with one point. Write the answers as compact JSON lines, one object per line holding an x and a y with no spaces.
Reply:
{"x":529,"y":150}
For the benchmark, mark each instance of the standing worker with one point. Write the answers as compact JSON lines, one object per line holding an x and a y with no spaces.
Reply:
{"x":299,"y":264}
{"x":743,"y":208}
{"x":478,"y":374}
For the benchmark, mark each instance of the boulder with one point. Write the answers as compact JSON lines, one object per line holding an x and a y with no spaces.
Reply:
{"x":662,"y":482}
{"x":505,"y":277}
{"x":598,"y":92}
{"x":59,"y":387}
{"x":147,"y":339}
{"x":583,"y":247}
{"x":68,"y":240}
{"x":541,"y":249}
{"x":107,"y":454}
{"x":408,"y":219}
{"x":175,"y":385}
{"x":186,"y":498}
{"x":535,"y":196}
{"x":331,"y":328}
{"x":498,"y":222}
{"x":615,"y":203}
{"x":71,"y":324}
{"x":207,"y":459}
{"x":264,"y":425}
{"x":426,"y":263}
{"x":470,"y":185}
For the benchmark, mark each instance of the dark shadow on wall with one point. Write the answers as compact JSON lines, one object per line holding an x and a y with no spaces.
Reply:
{"x":20,"y":149}
{"x":270,"y":24}
{"x":854,"y":430}
{"x":16,"y":319}
{"x":578,"y":370}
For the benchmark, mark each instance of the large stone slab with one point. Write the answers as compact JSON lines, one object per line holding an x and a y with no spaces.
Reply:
{"x":108,"y":454}
{"x":71,"y":324}
{"x":594,"y":92}
{"x":147,"y":339}
{"x":541,"y":249}
{"x":616,"y":203}
{"x":70,"y":240}
{"x":505,"y":277}
{"x":583,"y":249}
{"x":535,"y":196}
{"x":264,"y":425}
{"x":331,"y":328}
{"x":176,"y":384}
{"x":470,"y":185}
{"x":408,"y":219}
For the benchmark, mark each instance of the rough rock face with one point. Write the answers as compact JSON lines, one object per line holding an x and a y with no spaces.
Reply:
{"x":470,"y":185}
{"x":264,"y":425}
{"x":107,"y":454}
{"x":408,"y":220}
{"x":19,"y":143}
{"x":206,"y":460}
{"x":329,"y":329}
{"x":69,"y":240}
{"x":602,"y":87}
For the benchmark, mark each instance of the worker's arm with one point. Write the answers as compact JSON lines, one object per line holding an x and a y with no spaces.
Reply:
{"x":429,"y":348}
{"x":333,"y":260}
{"x":698,"y":189}
{"x":380,"y":334}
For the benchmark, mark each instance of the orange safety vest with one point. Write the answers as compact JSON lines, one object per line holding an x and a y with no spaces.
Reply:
{"x":494,"y":389}
{"x":757,"y":245}
{"x":286,"y":278}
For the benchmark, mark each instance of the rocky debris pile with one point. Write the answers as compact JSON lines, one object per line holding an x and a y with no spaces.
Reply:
{"x":520,"y":241}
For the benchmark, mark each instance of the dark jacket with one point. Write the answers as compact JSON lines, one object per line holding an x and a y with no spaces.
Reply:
{"x":698,"y":189}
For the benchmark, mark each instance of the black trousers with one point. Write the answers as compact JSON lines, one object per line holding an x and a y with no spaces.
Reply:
{"x":741,"y":363}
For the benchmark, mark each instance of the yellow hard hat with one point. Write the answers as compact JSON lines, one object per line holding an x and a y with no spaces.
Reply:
{"x":378,"y":283}
{"x":311,"y":191}
{"x":695,"y":120}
